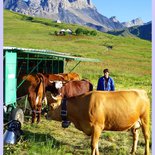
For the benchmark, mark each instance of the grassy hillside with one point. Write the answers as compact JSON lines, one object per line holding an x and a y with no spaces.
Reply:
{"x":129,"y":57}
{"x":129,"y":62}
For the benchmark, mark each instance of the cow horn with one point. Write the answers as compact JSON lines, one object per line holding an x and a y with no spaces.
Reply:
{"x":64,"y":82}
{"x":55,"y":98}
{"x":51,"y":81}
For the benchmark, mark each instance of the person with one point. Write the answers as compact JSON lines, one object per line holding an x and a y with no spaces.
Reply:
{"x":106,"y":83}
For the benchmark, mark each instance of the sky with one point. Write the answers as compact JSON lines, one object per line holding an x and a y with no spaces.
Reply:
{"x":125,"y":10}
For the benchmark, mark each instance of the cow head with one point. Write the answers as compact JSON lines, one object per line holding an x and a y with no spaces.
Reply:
{"x":56,"y":87}
{"x":58,"y":84}
{"x":54,"y":107}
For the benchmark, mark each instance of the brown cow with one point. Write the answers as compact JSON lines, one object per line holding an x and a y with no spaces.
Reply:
{"x":35,"y":86}
{"x":71,"y":88}
{"x":51,"y":79}
{"x":96,"y":111}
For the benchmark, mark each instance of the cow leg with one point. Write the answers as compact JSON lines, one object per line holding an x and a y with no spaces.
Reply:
{"x":135,"y":133}
{"x":38,"y":117}
{"x":94,"y":140}
{"x":32,"y":100}
{"x":34,"y":109}
{"x":39,"y":106}
{"x":146,"y":132}
{"x":33,"y":116}
{"x":39,"y":114}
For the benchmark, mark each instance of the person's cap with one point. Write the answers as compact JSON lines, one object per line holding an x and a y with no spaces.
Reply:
{"x":105,"y":70}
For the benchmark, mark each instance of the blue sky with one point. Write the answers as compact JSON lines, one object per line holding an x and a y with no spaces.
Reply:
{"x":125,"y":10}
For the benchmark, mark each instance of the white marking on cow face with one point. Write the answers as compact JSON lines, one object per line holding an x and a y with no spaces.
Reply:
{"x":58,"y":84}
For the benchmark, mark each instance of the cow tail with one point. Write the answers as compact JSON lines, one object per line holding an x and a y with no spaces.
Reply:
{"x":42,"y":79}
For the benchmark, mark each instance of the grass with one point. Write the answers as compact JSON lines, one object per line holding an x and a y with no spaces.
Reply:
{"x":129,"y":62}
{"x":49,"y":138}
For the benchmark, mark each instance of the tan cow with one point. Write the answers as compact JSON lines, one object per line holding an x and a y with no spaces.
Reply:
{"x":96,"y":111}
{"x":70,"y":76}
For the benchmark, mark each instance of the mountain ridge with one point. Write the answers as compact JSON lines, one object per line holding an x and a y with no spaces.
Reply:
{"x":82,"y":12}
{"x":142,"y":31}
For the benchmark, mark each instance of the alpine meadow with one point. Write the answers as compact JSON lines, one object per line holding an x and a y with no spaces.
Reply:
{"x":129,"y":61}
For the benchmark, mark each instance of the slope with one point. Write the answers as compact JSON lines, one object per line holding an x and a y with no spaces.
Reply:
{"x":128,"y":56}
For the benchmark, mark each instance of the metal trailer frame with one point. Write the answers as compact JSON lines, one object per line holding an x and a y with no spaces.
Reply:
{"x":25,"y":60}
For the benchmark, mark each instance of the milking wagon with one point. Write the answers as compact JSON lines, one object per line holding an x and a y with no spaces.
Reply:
{"x":17,"y":61}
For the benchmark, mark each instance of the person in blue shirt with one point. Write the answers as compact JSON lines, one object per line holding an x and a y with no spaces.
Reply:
{"x":106,"y":83}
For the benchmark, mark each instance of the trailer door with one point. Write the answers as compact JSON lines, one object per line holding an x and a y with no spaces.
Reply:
{"x":10,"y":77}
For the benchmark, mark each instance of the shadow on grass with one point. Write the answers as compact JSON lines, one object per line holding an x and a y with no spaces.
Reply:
{"x":41,"y":138}
{"x":35,"y":143}
{"x":40,"y":142}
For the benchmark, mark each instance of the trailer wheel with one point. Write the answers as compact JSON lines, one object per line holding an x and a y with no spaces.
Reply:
{"x":17,"y":114}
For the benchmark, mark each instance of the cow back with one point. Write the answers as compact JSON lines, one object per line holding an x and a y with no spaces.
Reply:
{"x":76,"y":88}
{"x":70,"y":76}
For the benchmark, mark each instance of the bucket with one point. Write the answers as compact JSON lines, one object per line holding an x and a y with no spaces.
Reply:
{"x":13,"y":132}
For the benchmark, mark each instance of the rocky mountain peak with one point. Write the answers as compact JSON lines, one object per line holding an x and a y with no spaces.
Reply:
{"x":81,"y":12}
{"x":78,"y":4}
{"x":137,"y":21}
{"x":134,"y":22}
{"x":114,"y":19}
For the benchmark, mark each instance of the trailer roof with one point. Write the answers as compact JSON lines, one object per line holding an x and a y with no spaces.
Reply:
{"x":49,"y":53}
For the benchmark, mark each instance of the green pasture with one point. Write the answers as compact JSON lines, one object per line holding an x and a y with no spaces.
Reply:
{"x":129,"y":62}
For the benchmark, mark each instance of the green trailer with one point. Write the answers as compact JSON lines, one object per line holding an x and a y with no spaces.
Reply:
{"x":19,"y":61}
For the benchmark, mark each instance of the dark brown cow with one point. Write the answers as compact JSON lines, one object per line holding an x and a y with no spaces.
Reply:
{"x":74,"y":88}
{"x":70,"y":89}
